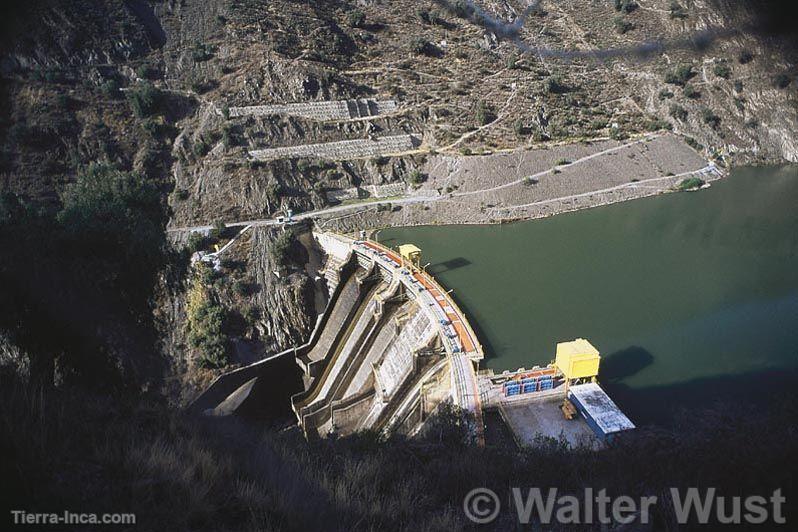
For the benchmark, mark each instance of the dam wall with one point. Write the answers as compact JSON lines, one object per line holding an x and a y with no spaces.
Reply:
{"x":340,"y":150}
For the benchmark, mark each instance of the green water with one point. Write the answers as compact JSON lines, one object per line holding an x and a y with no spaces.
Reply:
{"x":680,"y":292}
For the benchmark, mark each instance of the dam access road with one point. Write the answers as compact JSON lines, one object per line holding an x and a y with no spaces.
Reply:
{"x":522,"y":184}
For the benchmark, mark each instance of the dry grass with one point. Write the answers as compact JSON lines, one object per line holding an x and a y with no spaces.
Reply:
{"x":70,"y":450}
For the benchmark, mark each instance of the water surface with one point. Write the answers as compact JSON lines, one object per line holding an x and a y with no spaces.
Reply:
{"x":688,"y":296}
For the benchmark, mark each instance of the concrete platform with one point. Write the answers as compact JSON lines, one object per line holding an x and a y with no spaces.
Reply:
{"x":543,"y":417}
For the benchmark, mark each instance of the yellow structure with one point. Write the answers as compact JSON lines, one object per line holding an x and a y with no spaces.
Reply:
{"x":577,"y":359}
{"x":411,"y":254}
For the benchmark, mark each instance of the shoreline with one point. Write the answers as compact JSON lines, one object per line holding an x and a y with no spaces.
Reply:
{"x":562,"y":206}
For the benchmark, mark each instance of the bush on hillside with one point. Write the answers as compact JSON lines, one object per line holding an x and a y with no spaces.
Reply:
{"x":145,"y":99}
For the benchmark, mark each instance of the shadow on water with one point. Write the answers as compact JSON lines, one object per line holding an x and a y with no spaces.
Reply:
{"x":448,"y":265}
{"x":624,"y":363}
{"x":664,"y":405}
{"x":389,"y":242}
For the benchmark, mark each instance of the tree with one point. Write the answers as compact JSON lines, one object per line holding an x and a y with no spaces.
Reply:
{"x":484,"y":114}
{"x":281,"y":247}
{"x":145,"y":99}
{"x":118,"y":211}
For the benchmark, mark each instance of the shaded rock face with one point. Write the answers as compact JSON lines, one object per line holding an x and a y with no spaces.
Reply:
{"x":286,"y":301}
{"x":276,"y":312}
{"x":46,"y":33}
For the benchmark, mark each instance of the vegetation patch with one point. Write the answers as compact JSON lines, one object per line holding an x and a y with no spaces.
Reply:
{"x":145,"y":99}
{"x":206,"y":321}
{"x":680,"y":75}
{"x":691,"y":183}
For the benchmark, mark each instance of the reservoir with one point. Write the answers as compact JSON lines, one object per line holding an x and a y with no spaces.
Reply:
{"x":691,"y":298}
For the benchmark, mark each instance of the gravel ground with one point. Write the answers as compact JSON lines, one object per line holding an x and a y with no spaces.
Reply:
{"x":493,"y":189}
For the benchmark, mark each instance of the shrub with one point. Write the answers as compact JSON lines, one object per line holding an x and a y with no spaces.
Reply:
{"x":462,"y":9}
{"x":679,"y":75}
{"x":678,"y":112}
{"x":145,"y":99}
{"x":421,"y":46}
{"x":677,"y":10}
{"x":201,"y":147}
{"x":230,"y":136}
{"x":622,"y":25}
{"x":202,"y":52}
{"x":691,"y":92}
{"x":242,"y":287}
{"x":511,"y":62}
{"x":665,"y":94}
{"x":710,"y":118}
{"x":416,"y":177}
{"x":617,"y":133}
{"x":147,"y":72}
{"x":693,"y":143}
{"x":625,"y":6}
{"x":219,"y":229}
{"x":520,"y":128}
{"x":197,"y":242}
{"x":782,"y":81}
{"x":156,"y":127}
{"x":722,"y":70}
{"x":745,"y":56}
{"x":658,"y":124}
{"x":554,"y":85}
{"x":252,"y":314}
{"x":201,"y":85}
{"x":110,"y":88}
{"x":356,"y":18}
{"x":691,"y":183}
{"x":206,"y":319}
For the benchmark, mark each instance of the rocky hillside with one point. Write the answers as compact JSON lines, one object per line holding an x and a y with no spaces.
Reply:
{"x":147,"y":87}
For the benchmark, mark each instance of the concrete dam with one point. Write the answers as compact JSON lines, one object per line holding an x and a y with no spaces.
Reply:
{"x":391,"y":347}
